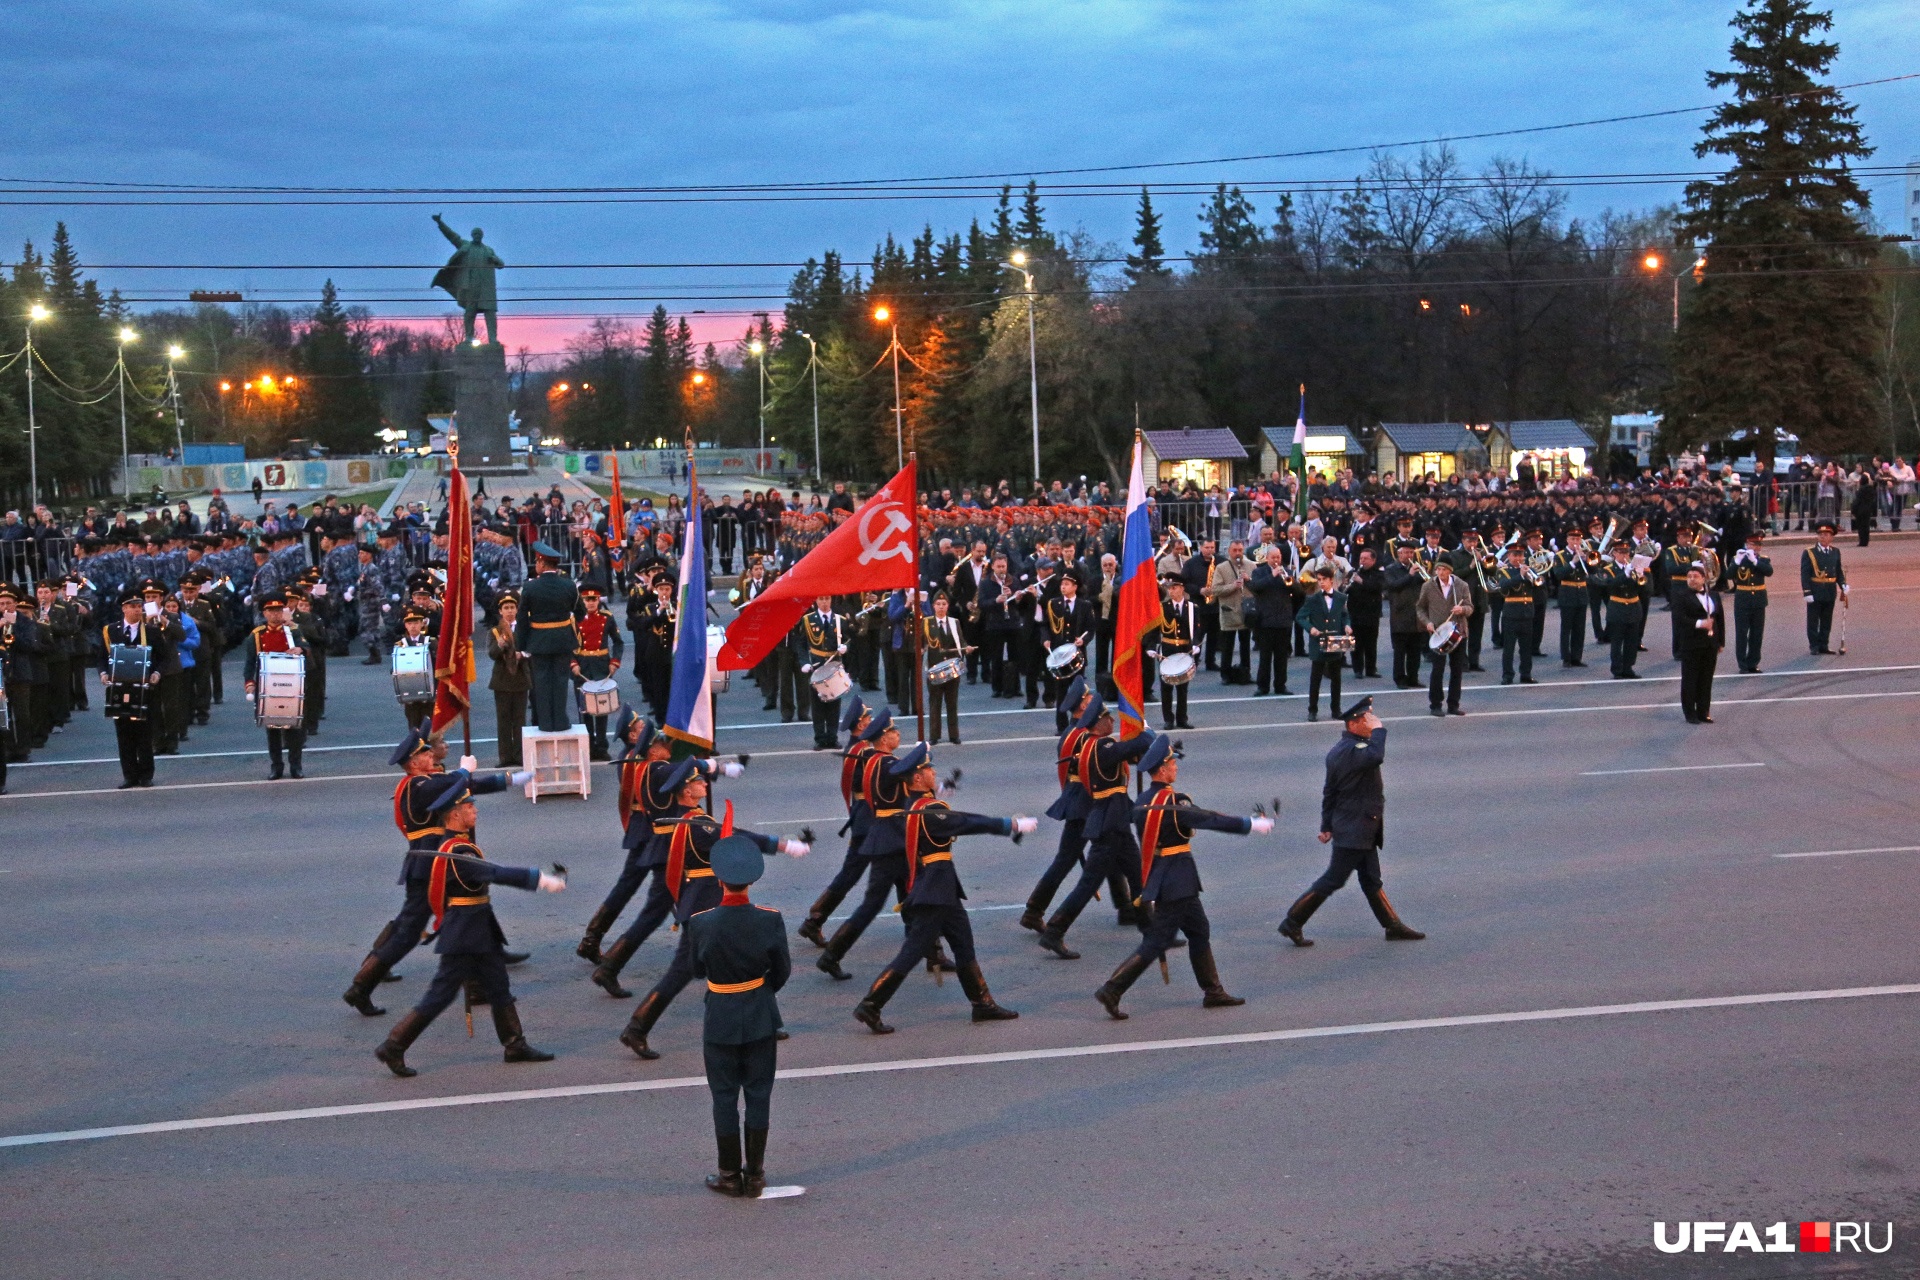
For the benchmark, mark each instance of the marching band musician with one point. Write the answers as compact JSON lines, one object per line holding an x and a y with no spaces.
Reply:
{"x":1401,"y":585}
{"x":1170,"y":882}
{"x":1470,"y":563}
{"x":1751,"y":569}
{"x":467,"y":934}
{"x":693,"y":887}
{"x":658,"y":621}
{"x":1445,"y":599}
{"x":1272,"y":591}
{"x":821,"y":637}
{"x":1644,"y":545}
{"x":1324,"y":615}
{"x":1570,"y":567}
{"x":596,"y":656}
{"x":1670,"y":575}
{"x":944,"y":644}
{"x":168,"y":712}
{"x":1069,"y":620}
{"x":1514,"y":590}
{"x":1179,"y":632}
{"x":1822,"y":583}
{"x":275,"y":635}
{"x":1540,"y":579}
{"x":133,"y":735}
{"x":413,"y":637}
{"x":1625,"y":610}
{"x":932,"y":909}
{"x":508,"y":681}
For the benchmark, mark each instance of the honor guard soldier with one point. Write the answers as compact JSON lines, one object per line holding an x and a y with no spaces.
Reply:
{"x":1570,"y":568}
{"x":691,"y":882}
{"x":1352,"y":819}
{"x":1514,"y":590}
{"x":275,"y":635}
{"x":821,"y":637}
{"x":1102,"y":768}
{"x":655,"y":816}
{"x":933,"y":908}
{"x":596,"y":657}
{"x":1624,"y":586}
{"x":134,"y":736}
{"x":855,"y":720}
{"x":1090,"y":719}
{"x":740,"y":951}
{"x":467,"y":935}
{"x":1179,"y":635}
{"x":547,"y":634}
{"x":1751,"y":569}
{"x":1170,"y":881}
{"x":639,"y":805}
{"x":1822,"y":582}
{"x":421,"y":755}
{"x":883,"y":786}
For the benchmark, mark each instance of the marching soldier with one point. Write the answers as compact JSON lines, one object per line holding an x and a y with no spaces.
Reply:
{"x":691,"y":882}
{"x":1352,"y":819}
{"x":740,"y":952}
{"x":821,"y":637}
{"x":421,"y":755}
{"x":467,"y":935}
{"x":855,"y":721}
{"x":1091,"y":720}
{"x":1822,"y":582}
{"x":1102,"y":769}
{"x":1751,"y":569}
{"x":596,"y":657}
{"x":883,"y":787}
{"x":932,"y":908}
{"x":546,"y":632}
{"x":1170,"y":881}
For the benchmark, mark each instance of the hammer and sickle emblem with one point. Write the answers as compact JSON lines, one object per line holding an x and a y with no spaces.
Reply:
{"x":873,"y":548}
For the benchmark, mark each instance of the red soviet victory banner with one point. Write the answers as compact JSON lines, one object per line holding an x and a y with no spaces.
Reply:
{"x":453,"y":655}
{"x":877,"y":549}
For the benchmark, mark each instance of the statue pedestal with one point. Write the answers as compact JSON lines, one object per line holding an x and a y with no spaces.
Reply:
{"x":480,"y":410}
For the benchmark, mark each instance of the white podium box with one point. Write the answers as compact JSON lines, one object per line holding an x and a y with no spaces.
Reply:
{"x":558,"y":760}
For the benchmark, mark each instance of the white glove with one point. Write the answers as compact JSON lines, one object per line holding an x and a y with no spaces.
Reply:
{"x":386,"y":608}
{"x":1809,"y":599}
{"x":151,"y":609}
{"x":807,"y":667}
{"x":348,"y":597}
{"x":319,"y":589}
{"x":1261,"y":824}
{"x":732,"y":769}
{"x":249,"y":697}
{"x":469,"y":763}
{"x":1025,"y":826}
{"x":520,"y":777}
{"x":795,"y":848}
{"x":551,"y":884}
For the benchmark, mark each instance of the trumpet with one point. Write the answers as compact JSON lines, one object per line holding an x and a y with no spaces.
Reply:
{"x":1606,"y":539}
{"x":1705,"y":531}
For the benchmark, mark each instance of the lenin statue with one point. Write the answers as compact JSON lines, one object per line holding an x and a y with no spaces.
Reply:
{"x":468,"y":276}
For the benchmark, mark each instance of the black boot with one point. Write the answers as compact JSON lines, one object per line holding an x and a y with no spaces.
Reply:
{"x":1116,"y":986}
{"x":810,"y":928}
{"x":728,"y":1181}
{"x":293,"y":763}
{"x":939,"y":961}
{"x":635,"y":1034}
{"x":829,"y":961}
{"x":1126,"y":913}
{"x":756,"y":1174}
{"x":974,"y":983}
{"x":359,"y":992}
{"x":506,"y":1024}
{"x":868,"y":1010}
{"x":1297,"y":916}
{"x":589,"y":948}
{"x":379,"y":942}
{"x":1033,"y":918}
{"x":1054,"y":938}
{"x":1208,"y":976}
{"x":1397,"y":931}
{"x":404,"y":1033}
{"x":373,"y":655}
{"x":606,"y":974}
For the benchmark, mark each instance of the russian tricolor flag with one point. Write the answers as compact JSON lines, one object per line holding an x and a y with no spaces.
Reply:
{"x":1138,"y":611}
{"x":690,"y":704}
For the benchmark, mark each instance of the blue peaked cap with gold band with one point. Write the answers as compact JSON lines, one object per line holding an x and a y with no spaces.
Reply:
{"x":623,"y":722}
{"x":881,"y":722}
{"x":855,"y":708}
{"x":416,"y":741}
{"x":1095,"y":709}
{"x":1157,"y":753}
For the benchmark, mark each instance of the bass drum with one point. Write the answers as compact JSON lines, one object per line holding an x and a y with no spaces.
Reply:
{"x":412,"y":673}
{"x":830,"y":681}
{"x":281,"y":699}
{"x":1176,"y":668}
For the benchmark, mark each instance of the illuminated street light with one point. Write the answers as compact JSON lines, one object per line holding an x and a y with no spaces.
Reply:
{"x":176,"y":352}
{"x":120,"y":376}
{"x":813,"y":367}
{"x":759,"y":350}
{"x":884,"y":316}
{"x":35,"y":314}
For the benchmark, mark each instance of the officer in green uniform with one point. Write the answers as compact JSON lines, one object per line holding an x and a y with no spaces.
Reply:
{"x":1751,"y":569}
{"x":1624,"y":590}
{"x":740,"y":952}
{"x":1514,"y":590}
{"x":1570,"y":590}
{"x":547,"y":633}
{"x":1822,"y":582}
{"x":1670,"y":571}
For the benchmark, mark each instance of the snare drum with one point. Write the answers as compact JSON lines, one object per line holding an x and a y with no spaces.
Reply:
{"x":830,"y":681}
{"x":280,"y":699}
{"x":1065,"y":662}
{"x":1176,"y":668}
{"x":128,"y":666}
{"x":1446,"y":637}
{"x":599,"y":698}
{"x":946,"y":672}
{"x":412,"y":672}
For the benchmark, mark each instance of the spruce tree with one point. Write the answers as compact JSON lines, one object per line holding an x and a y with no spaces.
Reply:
{"x":338,"y":406}
{"x":1145,"y":263}
{"x":1227,"y":227}
{"x":1781,"y":332}
{"x":1032,"y":231}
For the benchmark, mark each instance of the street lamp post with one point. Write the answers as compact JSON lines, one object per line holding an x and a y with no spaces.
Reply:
{"x":1656,"y":265}
{"x":885,"y":317}
{"x":35,"y":314}
{"x":126,"y":461}
{"x":174,"y":352}
{"x":1019,"y":263}
{"x":813,"y":367}
{"x":759,"y":350}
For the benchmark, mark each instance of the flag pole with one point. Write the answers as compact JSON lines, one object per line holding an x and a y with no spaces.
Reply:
{"x":466,"y":720}
{"x":693,"y":497}
{"x":913,"y":603}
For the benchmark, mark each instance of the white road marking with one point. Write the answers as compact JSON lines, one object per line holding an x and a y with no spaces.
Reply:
{"x":969,"y":1060}
{"x":201,"y":786}
{"x":1674,"y":768}
{"x":1843,"y":853}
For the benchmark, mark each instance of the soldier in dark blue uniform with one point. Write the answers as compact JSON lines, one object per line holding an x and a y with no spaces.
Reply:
{"x":468,"y":940}
{"x":1352,"y":819}
{"x":933,"y":907}
{"x":740,"y":951}
{"x":855,"y":719}
{"x":1102,"y":767}
{"x":1822,"y":583}
{"x":690,"y":879}
{"x":421,"y":755}
{"x":883,"y":783}
{"x":1070,"y":809}
{"x":1167,"y":820}
{"x":1751,"y":569}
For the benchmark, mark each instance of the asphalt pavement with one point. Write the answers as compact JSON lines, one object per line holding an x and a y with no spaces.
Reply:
{"x":1669,"y":977}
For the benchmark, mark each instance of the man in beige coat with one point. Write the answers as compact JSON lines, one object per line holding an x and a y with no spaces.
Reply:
{"x":1228,"y":589}
{"x":1445,"y":599}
